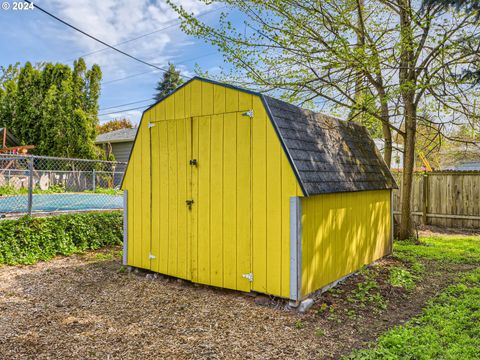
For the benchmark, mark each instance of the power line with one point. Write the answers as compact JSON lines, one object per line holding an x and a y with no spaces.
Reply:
{"x":124,"y":42}
{"x":150,"y":71}
{"x":176,"y":22}
{"x":128,"y":77}
{"x":130,"y":103}
{"x":124,"y":110}
{"x":96,"y":39}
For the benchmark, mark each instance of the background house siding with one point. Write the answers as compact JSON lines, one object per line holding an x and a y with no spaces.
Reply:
{"x":121,"y":151}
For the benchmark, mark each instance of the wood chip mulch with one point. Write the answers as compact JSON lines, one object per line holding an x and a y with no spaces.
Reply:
{"x":83,"y":307}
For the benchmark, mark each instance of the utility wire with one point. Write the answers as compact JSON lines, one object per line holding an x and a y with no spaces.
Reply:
{"x":123,"y":42}
{"x":150,"y":71}
{"x":128,"y":77}
{"x":176,"y":22}
{"x":142,"y":73}
{"x":124,"y":110}
{"x":98,"y":40}
{"x":130,"y":103}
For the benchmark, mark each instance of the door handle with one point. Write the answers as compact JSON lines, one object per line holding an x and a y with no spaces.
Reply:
{"x":189,"y":203}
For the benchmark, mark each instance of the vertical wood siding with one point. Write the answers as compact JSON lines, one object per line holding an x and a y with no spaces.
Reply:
{"x":341,"y":233}
{"x":239,"y":222}
{"x":137,"y":181}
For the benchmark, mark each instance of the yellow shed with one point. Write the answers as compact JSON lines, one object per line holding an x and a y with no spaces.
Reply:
{"x":231,"y":188}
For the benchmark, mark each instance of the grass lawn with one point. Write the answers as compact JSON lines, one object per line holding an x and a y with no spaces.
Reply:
{"x":449,"y":327}
{"x":421,"y":303}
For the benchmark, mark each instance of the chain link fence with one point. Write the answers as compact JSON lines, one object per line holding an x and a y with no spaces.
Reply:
{"x":39,"y":184}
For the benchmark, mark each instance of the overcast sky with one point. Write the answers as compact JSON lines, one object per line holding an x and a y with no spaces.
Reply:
{"x":34,"y":36}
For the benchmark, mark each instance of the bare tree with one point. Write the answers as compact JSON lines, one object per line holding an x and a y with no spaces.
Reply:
{"x":389,"y":60}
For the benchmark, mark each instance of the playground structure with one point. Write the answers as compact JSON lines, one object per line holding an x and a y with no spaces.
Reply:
{"x":10,"y":144}
{"x":34,"y":184}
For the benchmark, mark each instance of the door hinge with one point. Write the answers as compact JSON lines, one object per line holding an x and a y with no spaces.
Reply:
{"x":151,"y":256}
{"x":150,"y":125}
{"x":248,"y":276}
{"x":248,"y":113}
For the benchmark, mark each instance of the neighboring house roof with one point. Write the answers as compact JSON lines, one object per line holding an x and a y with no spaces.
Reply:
{"x":464,"y":166}
{"x":122,"y":135}
{"x":329,"y":155}
{"x":11,"y":141}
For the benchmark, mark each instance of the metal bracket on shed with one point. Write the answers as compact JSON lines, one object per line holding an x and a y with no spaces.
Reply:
{"x":150,"y":125}
{"x":248,"y":276}
{"x":248,"y":113}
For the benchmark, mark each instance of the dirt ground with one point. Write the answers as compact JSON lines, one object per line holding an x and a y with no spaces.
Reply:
{"x":84,"y":307}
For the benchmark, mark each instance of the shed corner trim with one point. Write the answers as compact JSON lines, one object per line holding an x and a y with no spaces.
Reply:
{"x":125,"y":228}
{"x":295,"y":248}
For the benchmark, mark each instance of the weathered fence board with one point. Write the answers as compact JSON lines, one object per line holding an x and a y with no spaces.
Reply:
{"x":444,"y":198}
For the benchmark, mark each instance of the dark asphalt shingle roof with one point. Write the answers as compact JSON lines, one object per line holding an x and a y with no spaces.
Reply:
{"x":122,"y":135}
{"x":329,"y":155}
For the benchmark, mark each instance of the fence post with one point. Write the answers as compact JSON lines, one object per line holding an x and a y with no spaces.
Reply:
{"x":425,"y":199}
{"x":94,"y":180}
{"x":30,"y":185}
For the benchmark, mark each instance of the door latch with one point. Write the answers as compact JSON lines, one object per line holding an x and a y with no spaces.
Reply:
{"x":189,"y":203}
{"x":193,"y":162}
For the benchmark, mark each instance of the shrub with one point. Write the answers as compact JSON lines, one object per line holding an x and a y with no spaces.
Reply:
{"x":28,"y":240}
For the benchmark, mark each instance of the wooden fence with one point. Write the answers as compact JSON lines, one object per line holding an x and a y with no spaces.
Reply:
{"x":444,"y":198}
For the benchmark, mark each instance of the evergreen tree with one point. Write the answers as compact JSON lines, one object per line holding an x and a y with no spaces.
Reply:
{"x":171,"y":80}
{"x":53,"y":107}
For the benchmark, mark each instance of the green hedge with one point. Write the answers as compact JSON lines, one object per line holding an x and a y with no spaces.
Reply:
{"x":28,"y":240}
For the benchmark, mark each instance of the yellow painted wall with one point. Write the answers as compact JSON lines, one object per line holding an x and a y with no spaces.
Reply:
{"x":137,"y":182}
{"x":342,"y":232}
{"x":240,"y":220}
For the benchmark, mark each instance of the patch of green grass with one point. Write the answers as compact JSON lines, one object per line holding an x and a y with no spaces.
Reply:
{"x":449,"y":249}
{"x":447,"y":328}
{"x":400,"y":277}
{"x":368,"y":292}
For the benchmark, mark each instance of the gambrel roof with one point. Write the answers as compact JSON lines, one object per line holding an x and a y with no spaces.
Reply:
{"x":327,"y":155}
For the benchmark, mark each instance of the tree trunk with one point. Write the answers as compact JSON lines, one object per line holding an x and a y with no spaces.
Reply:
{"x":407,"y":77}
{"x":406,"y":228}
{"x":387,"y":149}
{"x":387,"y":132}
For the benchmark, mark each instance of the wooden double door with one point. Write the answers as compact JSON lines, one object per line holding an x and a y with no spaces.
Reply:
{"x":201,"y":199}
